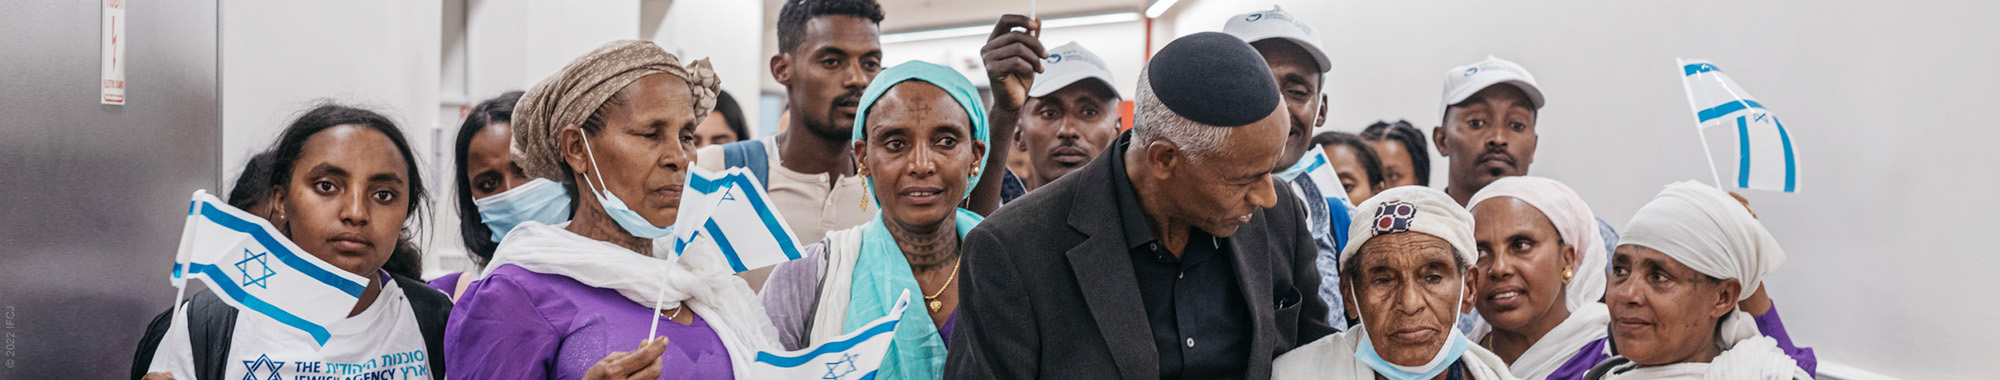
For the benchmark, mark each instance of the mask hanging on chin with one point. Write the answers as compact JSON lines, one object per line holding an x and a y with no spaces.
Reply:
{"x":1454,"y":347}
{"x":631,"y":221}
{"x":539,"y":200}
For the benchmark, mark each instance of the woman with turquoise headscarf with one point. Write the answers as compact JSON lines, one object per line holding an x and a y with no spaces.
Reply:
{"x":920,"y":139}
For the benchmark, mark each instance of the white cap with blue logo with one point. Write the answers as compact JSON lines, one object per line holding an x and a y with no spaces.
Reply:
{"x":1463,"y":81}
{"x":1275,"y":23}
{"x":1068,"y":64}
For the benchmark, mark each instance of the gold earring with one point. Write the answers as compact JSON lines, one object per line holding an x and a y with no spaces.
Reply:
{"x":1568,"y":274}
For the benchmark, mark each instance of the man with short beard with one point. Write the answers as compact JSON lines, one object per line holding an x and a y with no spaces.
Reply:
{"x":828,"y":51}
{"x":1071,"y":116}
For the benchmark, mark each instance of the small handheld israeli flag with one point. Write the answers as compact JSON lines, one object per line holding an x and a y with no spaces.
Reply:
{"x":855,"y":355}
{"x":251,"y":266}
{"x":732,"y":211}
{"x":1766,"y":159}
{"x":1317,"y":166}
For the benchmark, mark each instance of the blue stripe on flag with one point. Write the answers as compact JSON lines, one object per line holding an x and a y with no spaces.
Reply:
{"x":278,"y":249}
{"x":1698,"y":68}
{"x":1791,"y":164}
{"x":228,"y":287}
{"x":1743,"y":152}
{"x":1318,"y":161}
{"x":829,"y":347}
{"x":191,"y":207}
{"x":770,"y":220}
{"x":1725,"y":109}
{"x":722,"y":242}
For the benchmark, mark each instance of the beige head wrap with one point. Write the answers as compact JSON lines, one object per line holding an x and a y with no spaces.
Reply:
{"x":571,"y":95}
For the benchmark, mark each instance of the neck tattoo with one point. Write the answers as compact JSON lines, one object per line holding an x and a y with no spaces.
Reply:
{"x":927,"y":251}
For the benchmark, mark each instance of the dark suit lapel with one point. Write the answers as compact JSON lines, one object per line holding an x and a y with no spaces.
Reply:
{"x":1252,"y":258}
{"x":1103,"y":269}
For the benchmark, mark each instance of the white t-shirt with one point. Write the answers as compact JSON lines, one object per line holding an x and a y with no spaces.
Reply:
{"x":382,"y":343}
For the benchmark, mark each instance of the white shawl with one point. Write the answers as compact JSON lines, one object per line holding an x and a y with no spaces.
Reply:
{"x":1332,"y":357}
{"x":699,"y":279}
{"x":1585,"y":325}
{"x":1757,"y":358}
{"x":836,"y":280}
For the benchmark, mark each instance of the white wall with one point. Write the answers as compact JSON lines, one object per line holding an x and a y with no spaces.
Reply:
{"x":727,"y":34}
{"x":1888,"y":271}
{"x":281,"y":58}
{"x":1121,"y":45}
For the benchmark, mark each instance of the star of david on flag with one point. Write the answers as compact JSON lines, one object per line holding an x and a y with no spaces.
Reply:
{"x":853,"y":356}
{"x":270,"y":276}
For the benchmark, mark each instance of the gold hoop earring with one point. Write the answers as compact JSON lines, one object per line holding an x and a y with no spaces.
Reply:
{"x":1568,"y":274}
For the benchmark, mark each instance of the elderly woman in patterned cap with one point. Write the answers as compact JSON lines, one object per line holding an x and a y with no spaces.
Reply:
{"x":575,"y":300}
{"x":1408,"y":274}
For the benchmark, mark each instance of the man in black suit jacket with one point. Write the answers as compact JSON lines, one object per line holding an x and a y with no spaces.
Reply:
{"x":1173,"y":255}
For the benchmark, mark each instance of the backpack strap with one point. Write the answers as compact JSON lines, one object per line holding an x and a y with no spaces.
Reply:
{"x":432,"y":308}
{"x":150,"y":343}
{"x":211,"y":328}
{"x":210,"y":324}
{"x":749,"y":154}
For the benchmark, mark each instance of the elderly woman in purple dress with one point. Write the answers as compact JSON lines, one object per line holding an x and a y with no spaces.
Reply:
{"x":576,"y":300}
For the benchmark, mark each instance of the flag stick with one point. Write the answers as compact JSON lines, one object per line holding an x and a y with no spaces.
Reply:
{"x":658,"y":299}
{"x":1031,"y":9}
{"x":1699,"y":131}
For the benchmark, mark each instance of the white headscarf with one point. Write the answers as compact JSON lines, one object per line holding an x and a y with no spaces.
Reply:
{"x":698,"y":280}
{"x":1573,"y":221}
{"x":1709,"y":231}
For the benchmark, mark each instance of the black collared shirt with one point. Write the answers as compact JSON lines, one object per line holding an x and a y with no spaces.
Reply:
{"x":1200,"y":321}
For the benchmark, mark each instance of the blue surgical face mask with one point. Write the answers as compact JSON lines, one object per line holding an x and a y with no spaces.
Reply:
{"x":1454,"y":347}
{"x":540,"y":200}
{"x":630,"y":220}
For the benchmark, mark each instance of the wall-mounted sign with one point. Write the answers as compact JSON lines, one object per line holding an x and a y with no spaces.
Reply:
{"x":112,"y":84}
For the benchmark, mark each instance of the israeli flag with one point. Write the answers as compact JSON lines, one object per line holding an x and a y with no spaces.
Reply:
{"x":254,"y":268}
{"x":731,"y":211}
{"x":1765,"y":156}
{"x":853,"y":356}
{"x":1317,"y":166}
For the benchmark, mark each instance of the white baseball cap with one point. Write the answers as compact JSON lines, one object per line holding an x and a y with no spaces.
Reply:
{"x":1463,"y":81}
{"x":1275,"y":23}
{"x":1068,"y":64}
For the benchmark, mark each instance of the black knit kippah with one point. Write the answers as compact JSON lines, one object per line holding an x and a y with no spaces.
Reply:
{"x":1214,"y":79}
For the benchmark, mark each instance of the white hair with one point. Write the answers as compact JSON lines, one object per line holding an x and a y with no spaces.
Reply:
{"x":1153,"y":121}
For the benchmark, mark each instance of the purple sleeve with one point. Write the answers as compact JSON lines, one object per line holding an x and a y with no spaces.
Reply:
{"x":447,"y":283}
{"x":1772,"y":326}
{"x":790,"y":293}
{"x":1586,"y":358}
{"x":496,"y":332}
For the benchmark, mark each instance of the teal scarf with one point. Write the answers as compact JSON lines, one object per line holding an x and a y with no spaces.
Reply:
{"x":881,"y":274}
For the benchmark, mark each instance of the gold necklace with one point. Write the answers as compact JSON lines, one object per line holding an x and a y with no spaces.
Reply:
{"x":931,"y":300}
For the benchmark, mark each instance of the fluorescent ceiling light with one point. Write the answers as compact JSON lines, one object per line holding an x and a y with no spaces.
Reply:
{"x":981,"y":30}
{"x":1159,"y":8}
